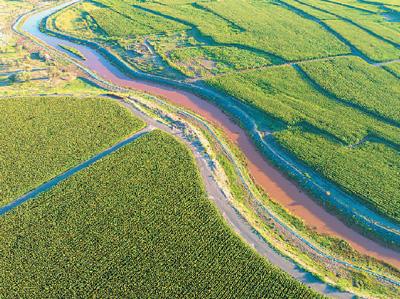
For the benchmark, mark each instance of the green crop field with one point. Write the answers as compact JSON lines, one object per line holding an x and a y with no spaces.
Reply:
{"x":320,"y":79}
{"x":356,"y":168}
{"x":343,"y":77}
{"x":394,"y":68}
{"x":135,"y":224}
{"x":122,"y":20}
{"x":327,"y":127}
{"x":383,"y":28}
{"x":361,"y":24}
{"x":42,"y":137}
{"x":256,"y":25}
{"x":282,"y":92}
{"x":372,"y":47}
{"x":236,"y":47}
{"x":77,"y":21}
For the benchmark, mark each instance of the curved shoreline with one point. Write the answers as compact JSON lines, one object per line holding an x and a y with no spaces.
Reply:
{"x":346,"y":207}
{"x":277,"y":185}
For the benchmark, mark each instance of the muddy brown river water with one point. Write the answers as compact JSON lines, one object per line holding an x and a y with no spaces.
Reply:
{"x":279,"y":187}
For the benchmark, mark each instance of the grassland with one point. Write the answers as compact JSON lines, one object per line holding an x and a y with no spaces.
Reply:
{"x":135,"y":224}
{"x":42,"y":137}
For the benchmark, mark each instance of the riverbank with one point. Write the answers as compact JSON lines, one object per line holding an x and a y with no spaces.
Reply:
{"x":236,"y":134}
{"x":191,"y":96}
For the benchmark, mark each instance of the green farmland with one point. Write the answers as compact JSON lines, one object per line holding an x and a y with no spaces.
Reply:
{"x":347,"y":106}
{"x":331,"y":129}
{"x":136,"y":224}
{"x":291,"y":108}
{"x":44,"y":136}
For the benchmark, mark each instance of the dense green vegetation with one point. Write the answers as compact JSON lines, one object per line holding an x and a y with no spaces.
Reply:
{"x":236,"y":46}
{"x":339,"y":116}
{"x":42,"y":137}
{"x":115,"y":24}
{"x":361,"y":24}
{"x":383,"y":29}
{"x":283,"y":93}
{"x":258,"y":25}
{"x":394,"y":68}
{"x":355,"y":81}
{"x":76,"y":20}
{"x":120,"y":19}
{"x":372,"y":47}
{"x":135,"y":224}
{"x":356,"y":169}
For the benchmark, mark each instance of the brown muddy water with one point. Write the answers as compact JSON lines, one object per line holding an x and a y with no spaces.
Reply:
{"x":279,"y":187}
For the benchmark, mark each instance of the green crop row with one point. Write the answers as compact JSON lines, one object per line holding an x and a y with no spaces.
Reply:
{"x":372,"y":47}
{"x":283,"y":93}
{"x":394,"y":68}
{"x":383,"y":28}
{"x":355,"y":81}
{"x":120,"y":19}
{"x":263,"y":26}
{"x":362,"y":7}
{"x":303,"y":7}
{"x":115,"y":24}
{"x":340,"y":122}
{"x":356,"y":24}
{"x":352,"y":11}
{"x":370,"y":170}
{"x":42,"y":137}
{"x":136,"y":224}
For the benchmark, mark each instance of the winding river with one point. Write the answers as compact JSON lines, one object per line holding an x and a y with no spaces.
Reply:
{"x":279,"y":187}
